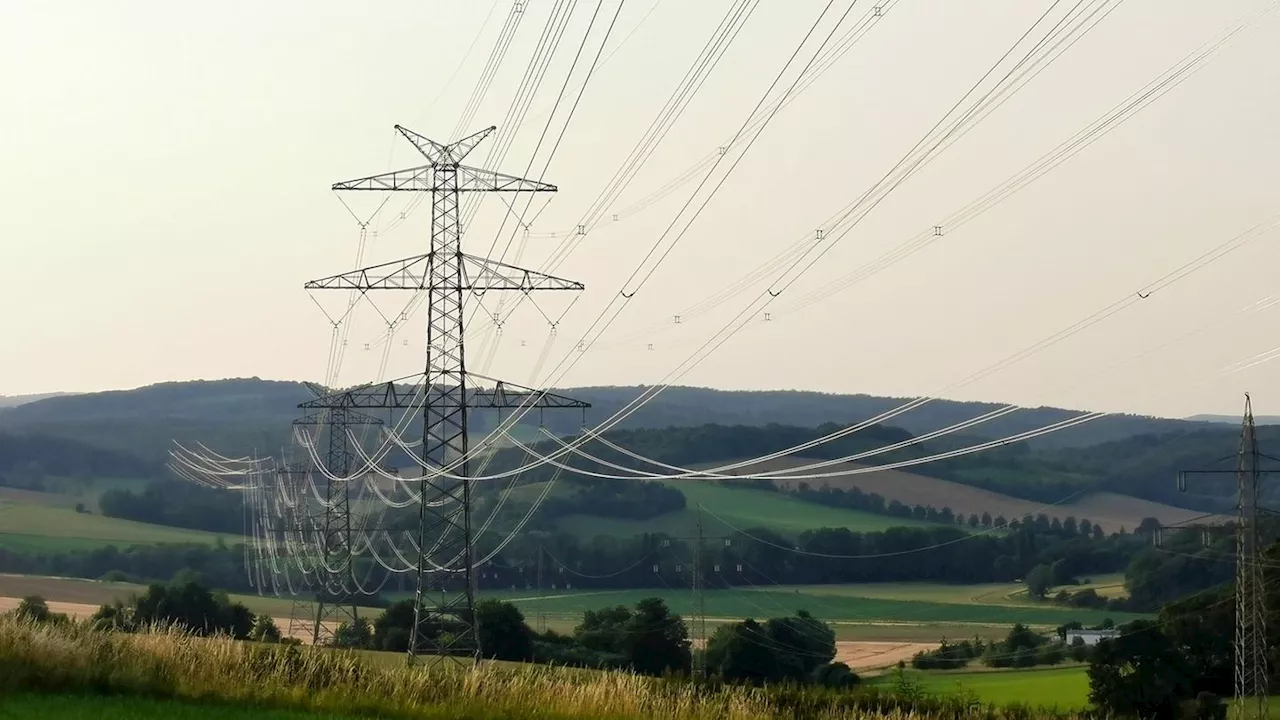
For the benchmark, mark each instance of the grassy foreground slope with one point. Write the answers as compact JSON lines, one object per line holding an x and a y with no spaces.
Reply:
{"x":70,"y":659}
{"x":95,"y":707}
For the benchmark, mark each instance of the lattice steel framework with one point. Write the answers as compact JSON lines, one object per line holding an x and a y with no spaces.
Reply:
{"x":445,"y":627}
{"x":1251,"y":686}
{"x":1251,"y":616}
{"x":330,"y":522}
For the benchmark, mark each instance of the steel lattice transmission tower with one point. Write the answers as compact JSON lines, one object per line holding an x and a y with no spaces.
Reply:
{"x":1251,"y":673}
{"x":1251,"y":616}
{"x":329,"y":525}
{"x":445,"y":628}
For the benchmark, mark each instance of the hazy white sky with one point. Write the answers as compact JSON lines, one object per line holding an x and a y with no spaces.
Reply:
{"x":167,"y":168}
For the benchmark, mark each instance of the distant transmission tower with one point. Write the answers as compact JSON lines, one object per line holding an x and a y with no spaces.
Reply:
{"x":698,"y":584}
{"x":444,"y":627}
{"x":330,"y":525}
{"x":1250,"y":594}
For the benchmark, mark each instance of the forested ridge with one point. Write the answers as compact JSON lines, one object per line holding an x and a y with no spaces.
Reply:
{"x":248,"y":413}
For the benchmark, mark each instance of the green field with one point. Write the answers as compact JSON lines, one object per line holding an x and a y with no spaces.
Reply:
{"x":1066,"y":688}
{"x":30,"y":526}
{"x":1006,"y":594}
{"x":835,"y":604}
{"x":741,"y":507}
{"x":94,"y":707}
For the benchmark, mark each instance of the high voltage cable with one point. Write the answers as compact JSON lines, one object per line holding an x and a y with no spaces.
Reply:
{"x":725,"y":33}
{"x":554,"y":148}
{"x":999,"y":95}
{"x":824,"y":63}
{"x":516,"y":416}
{"x":548,"y":43}
{"x":592,"y":330}
{"x":722,"y":37}
{"x":544,"y":52}
{"x":1135,"y":103}
{"x":607,"y":57}
{"x":645,"y":397}
{"x":490,"y":70}
{"x":465,"y":57}
{"x":1164,"y":281}
{"x":416,"y":300}
{"x":496,"y":56}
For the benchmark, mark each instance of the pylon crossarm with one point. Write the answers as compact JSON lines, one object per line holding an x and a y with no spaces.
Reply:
{"x":411,"y":273}
{"x":387,"y":395}
{"x":415,"y":273}
{"x":504,"y":395}
{"x":476,"y":180}
{"x":396,"y":395}
{"x":486,"y":274}
{"x":322,"y":418}
{"x":423,"y":178}
{"x":414,"y":179}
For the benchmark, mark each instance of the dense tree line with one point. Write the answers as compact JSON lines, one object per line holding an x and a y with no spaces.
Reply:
{"x":635,"y":500}
{"x":180,"y":504}
{"x":27,"y":460}
{"x":647,"y":638}
{"x":217,"y":565}
{"x":1021,"y":648}
{"x":1182,"y":566}
{"x":755,"y":557}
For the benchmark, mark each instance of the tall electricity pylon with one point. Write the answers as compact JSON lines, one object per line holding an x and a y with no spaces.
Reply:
{"x":1251,"y":673}
{"x":1251,"y":616}
{"x":445,"y":556}
{"x":325,"y":532}
{"x":330,"y":524}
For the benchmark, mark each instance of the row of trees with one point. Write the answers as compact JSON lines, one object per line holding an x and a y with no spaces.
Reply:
{"x":27,"y":459}
{"x":755,"y":557}
{"x":647,"y":638}
{"x":1021,"y":648}
{"x":179,"y":504}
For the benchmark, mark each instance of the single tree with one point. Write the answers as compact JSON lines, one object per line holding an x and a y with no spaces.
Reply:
{"x":1138,"y":674}
{"x":354,"y":634}
{"x":657,"y":641}
{"x":503,"y":632}
{"x":33,"y":607}
{"x":264,"y":629}
{"x":740,"y":652}
{"x":1038,"y":581}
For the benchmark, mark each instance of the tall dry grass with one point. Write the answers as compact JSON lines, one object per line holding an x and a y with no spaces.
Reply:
{"x":169,"y":664}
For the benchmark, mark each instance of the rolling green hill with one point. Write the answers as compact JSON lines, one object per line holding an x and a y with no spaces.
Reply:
{"x":26,"y":525}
